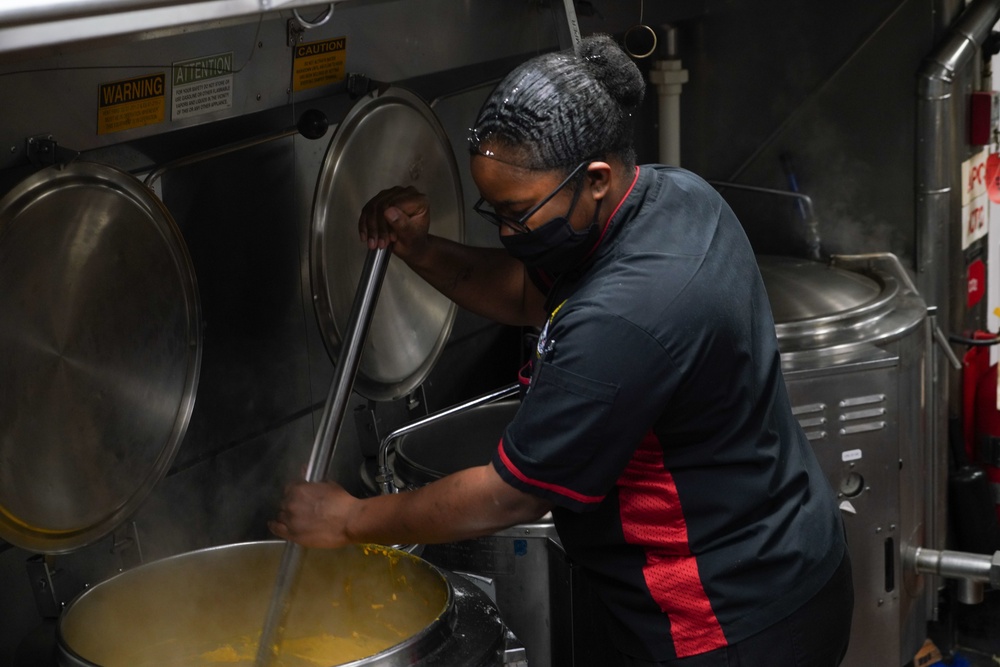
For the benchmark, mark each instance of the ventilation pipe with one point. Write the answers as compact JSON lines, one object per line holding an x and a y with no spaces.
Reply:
{"x":940,"y":106}
{"x":938,"y":141}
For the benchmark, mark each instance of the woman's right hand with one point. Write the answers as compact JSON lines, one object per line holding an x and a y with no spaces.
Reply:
{"x":399,"y":215}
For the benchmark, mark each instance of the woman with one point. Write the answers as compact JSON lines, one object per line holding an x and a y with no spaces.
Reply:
{"x":655,"y":424}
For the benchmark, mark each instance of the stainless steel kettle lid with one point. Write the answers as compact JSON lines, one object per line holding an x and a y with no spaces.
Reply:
{"x":842,"y":306}
{"x":100,"y":349}
{"x":800,"y":289}
{"x":386,"y":139}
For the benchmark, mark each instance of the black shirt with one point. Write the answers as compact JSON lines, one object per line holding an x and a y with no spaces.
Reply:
{"x":658,"y":421}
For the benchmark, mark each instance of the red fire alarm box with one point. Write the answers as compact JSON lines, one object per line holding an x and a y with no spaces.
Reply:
{"x":984,"y":116}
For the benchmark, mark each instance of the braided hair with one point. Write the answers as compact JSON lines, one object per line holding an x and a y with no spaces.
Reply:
{"x":560,"y":109}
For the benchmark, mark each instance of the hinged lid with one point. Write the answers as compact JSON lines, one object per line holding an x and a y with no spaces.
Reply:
{"x":386,"y":140}
{"x":100,"y":350}
{"x":850,"y":303}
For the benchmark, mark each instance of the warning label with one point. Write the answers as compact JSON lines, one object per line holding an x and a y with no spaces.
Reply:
{"x":202,"y":85}
{"x":131,"y":103}
{"x":319,"y":63}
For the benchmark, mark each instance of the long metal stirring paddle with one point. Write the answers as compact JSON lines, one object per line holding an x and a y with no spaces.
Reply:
{"x":322,"y":452}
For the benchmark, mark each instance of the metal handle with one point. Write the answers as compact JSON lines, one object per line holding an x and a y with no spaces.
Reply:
{"x":348,"y":360}
{"x":385,"y":474}
{"x":812,"y":225}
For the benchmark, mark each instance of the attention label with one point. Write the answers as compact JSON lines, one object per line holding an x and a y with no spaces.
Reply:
{"x":202,"y":85}
{"x":319,"y":63}
{"x":131,"y":103}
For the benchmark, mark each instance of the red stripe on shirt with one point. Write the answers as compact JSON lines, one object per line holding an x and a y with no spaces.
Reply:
{"x":561,"y":490}
{"x":652,"y":517}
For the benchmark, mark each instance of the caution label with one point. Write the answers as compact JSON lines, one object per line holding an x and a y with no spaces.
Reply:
{"x":202,"y":85}
{"x":319,"y":63}
{"x":131,"y":103}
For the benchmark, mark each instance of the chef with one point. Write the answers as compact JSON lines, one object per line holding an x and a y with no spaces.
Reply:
{"x":655,"y":423}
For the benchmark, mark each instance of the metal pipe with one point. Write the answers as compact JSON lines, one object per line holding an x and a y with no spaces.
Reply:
{"x":937,"y":199}
{"x":27,"y":12}
{"x":18,"y":12}
{"x":385,"y":475}
{"x":813,"y":239}
{"x":972,"y":571}
{"x":348,"y":360}
{"x":937,"y":142}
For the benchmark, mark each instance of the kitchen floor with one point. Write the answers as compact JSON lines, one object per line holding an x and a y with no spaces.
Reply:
{"x":969,"y":634}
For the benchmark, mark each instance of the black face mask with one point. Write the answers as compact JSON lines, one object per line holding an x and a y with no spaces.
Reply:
{"x":554,"y":247}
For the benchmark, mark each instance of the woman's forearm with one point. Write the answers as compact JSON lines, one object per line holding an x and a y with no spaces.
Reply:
{"x":485,"y":281}
{"x":467,"y":504}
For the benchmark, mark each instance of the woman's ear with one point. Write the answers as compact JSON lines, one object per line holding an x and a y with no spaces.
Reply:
{"x":599,"y":179}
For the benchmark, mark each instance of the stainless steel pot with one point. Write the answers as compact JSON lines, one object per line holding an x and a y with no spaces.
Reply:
{"x":360,"y":605}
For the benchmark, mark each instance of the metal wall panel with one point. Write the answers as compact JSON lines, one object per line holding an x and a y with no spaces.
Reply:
{"x":765,"y":77}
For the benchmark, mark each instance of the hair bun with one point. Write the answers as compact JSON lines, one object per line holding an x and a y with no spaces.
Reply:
{"x":613,"y":69}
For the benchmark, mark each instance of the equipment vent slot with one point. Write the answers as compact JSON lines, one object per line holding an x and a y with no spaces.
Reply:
{"x":890,"y":564}
{"x":812,"y":422}
{"x":808,"y":409}
{"x":815,"y":435}
{"x":862,"y":400}
{"x":862,"y":414}
{"x":862,"y":428}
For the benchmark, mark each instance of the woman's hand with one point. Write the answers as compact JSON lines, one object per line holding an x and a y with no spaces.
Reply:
{"x":314,"y":514}
{"x":398,"y":215}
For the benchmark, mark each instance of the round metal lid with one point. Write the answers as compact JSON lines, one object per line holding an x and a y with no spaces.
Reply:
{"x":385,"y":140}
{"x":801,"y":290}
{"x":100,"y":351}
{"x":840,"y":308}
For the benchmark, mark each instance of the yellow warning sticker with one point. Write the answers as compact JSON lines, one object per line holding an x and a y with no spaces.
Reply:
{"x":131,"y":103}
{"x":319,"y":63}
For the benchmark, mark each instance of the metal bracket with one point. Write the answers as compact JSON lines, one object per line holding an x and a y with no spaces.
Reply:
{"x":297,"y":26}
{"x":295,"y":32}
{"x":43,"y":151}
{"x":416,"y":403}
{"x":125,"y":544}
{"x":366,"y":424}
{"x":359,"y":85}
{"x":52,"y":587}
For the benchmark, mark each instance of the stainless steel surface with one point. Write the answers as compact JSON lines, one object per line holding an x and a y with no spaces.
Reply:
{"x":522,"y":565}
{"x":100,"y":348}
{"x":803,"y":290}
{"x":386,"y":479}
{"x":362,"y":311}
{"x":312,"y":125}
{"x":981,"y":568}
{"x":838,"y":309}
{"x":385,"y":140}
{"x":393,"y":608}
{"x":855,"y":366}
{"x":972,"y":571}
{"x":28,"y":24}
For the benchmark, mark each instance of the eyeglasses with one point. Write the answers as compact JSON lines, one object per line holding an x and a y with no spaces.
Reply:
{"x":518,"y":225}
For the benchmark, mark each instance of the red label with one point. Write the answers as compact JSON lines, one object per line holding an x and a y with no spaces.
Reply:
{"x":977,"y":282}
{"x":993,"y":177}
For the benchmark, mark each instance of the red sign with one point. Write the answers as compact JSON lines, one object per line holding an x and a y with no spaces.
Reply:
{"x":977,"y":282}
{"x":993,"y":177}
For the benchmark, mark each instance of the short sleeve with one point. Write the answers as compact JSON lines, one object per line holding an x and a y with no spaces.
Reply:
{"x":597,"y":390}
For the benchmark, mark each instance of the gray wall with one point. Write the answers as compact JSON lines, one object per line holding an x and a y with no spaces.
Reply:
{"x":832,"y":85}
